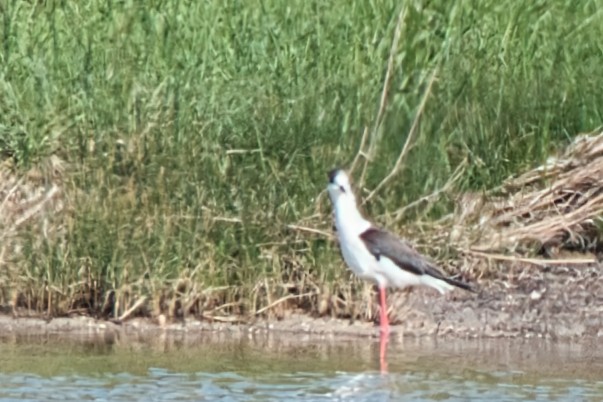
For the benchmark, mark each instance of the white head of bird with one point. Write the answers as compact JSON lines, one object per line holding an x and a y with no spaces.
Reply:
{"x":340,"y":189}
{"x":344,"y":201}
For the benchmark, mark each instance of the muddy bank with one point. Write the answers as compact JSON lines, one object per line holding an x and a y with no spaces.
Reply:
{"x":527,"y":302}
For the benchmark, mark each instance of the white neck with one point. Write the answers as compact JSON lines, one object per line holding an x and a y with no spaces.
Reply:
{"x":348,"y":219}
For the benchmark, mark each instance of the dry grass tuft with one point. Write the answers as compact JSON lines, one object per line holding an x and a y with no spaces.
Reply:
{"x":550,"y":210}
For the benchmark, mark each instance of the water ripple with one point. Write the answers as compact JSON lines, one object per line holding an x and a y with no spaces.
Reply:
{"x":164,"y":385}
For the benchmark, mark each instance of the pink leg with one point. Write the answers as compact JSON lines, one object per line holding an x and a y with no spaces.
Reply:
{"x":383,"y":317}
{"x":382,"y":351}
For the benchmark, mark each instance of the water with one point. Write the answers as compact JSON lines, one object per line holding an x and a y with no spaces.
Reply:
{"x":287,"y":367}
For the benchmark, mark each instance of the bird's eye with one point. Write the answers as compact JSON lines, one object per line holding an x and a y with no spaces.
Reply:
{"x":342,"y":189}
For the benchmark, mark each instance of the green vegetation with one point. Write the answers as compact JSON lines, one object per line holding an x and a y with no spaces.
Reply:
{"x":192,"y":134}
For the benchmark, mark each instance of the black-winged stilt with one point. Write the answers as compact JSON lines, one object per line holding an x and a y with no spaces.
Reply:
{"x":377,"y":255}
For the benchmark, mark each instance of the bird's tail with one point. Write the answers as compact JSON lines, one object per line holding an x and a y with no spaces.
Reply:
{"x":444,"y":284}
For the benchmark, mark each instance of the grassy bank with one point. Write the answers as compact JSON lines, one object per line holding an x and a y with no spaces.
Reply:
{"x":186,"y":136}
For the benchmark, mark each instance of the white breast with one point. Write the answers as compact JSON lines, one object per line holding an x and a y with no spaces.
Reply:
{"x":355,"y":253}
{"x":357,"y":256}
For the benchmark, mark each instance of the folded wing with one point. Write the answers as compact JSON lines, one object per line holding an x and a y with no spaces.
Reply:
{"x":383,"y":243}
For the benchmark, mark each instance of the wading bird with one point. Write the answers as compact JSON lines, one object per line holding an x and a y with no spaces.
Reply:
{"x":377,"y":255}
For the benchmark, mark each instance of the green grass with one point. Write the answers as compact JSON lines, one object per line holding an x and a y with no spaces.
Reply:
{"x":195,"y":132}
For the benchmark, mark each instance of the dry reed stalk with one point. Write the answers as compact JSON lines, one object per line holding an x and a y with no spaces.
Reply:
{"x":555,"y":205}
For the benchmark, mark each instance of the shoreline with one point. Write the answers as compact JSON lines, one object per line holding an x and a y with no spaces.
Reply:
{"x":557,"y":306}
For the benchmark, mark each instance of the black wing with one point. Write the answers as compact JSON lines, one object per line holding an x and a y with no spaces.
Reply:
{"x":383,"y":243}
